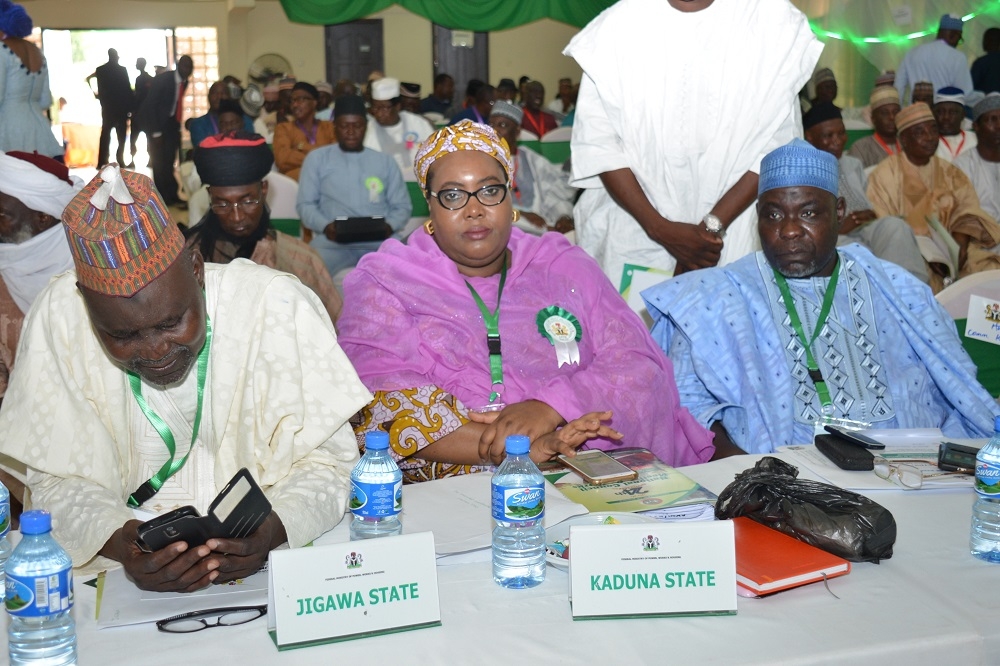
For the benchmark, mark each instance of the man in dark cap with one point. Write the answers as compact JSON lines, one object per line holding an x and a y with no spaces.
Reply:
{"x":235,"y":167}
{"x":180,"y":373}
{"x":409,"y":97}
{"x":888,"y":238}
{"x":507,"y":91}
{"x":296,"y":138}
{"x":347,"y":180}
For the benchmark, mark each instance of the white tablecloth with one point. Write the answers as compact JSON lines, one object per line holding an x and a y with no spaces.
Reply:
{"x":931,"y":603}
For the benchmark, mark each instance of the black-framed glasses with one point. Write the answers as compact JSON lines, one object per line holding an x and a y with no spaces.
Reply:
{"x":223,"y":207}
{"x":456,"y":199}
{"x":213,"y":617}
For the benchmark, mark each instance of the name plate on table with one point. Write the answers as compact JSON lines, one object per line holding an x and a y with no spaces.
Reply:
{"x":352,"y":590}
{"x":653,"y":569}
{"x":983,"y":322}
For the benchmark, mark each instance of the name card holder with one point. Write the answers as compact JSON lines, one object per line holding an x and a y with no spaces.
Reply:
{"x":652,"y":570}
{"x":983,"y":321}
{"x":344,"y":591}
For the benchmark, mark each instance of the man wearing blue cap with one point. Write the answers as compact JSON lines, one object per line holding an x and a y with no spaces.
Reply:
{"x":769,"y":348}
{"x":939,"y":62}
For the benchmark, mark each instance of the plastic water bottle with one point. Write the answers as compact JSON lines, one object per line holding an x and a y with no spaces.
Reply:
{"x":518,"y":508}
{"x":376,"y":491}
{"x":39,"y":597}
{"x":985,"y":539}
{"x":5,"y":546}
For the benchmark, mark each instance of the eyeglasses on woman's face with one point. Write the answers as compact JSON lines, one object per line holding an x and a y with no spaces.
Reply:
{"x":456,"y":199}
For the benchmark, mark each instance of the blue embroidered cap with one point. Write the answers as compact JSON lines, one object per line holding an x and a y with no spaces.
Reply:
{"x":949,"y":22}
{"x":798,"y":163}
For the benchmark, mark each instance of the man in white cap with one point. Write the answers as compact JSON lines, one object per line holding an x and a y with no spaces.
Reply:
{"x":668,"y":135}
{"x":982,"y":165}
{"x":395,"y":132}
{"x":33,"y":192}
{"x":949,"y":112}
{"x":324,"y":106}
{"x":939,"y":61}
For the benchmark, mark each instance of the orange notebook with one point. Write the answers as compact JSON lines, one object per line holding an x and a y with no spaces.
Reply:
{"x":769,"y":561}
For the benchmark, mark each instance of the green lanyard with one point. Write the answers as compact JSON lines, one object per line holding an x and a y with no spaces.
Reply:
{"x":169,"y":468}
{"x":814,"y":372}
{"x":492,"y":321}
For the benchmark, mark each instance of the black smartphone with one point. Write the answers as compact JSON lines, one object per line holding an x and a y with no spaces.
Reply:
{"x":954,"y":457}
{"x":235,"y":513}
{"x":854,"y":437}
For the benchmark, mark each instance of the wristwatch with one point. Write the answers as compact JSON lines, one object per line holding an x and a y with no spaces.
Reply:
{"x":714,"y":224}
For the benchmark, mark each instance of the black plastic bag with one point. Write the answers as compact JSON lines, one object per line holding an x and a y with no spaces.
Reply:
{"x":837,"y":520}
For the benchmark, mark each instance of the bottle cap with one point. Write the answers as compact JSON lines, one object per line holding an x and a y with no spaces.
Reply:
{"x":376,"y":440}
{"x":36,"y":522}
{"x":517,"y":445}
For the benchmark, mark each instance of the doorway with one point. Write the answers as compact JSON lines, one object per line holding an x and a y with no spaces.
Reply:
{"x":463,"y":55}
{"x":354,"y":50}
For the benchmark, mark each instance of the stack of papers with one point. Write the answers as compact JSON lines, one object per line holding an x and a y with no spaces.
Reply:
{"x":659,"y":492}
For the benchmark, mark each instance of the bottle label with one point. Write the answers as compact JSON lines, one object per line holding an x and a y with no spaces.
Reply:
{"x":518,"y":504}
{"x":4,"y":517}
{"x":988,"y":478}
{"x":376,"y":500}
{"x":35,"y":596}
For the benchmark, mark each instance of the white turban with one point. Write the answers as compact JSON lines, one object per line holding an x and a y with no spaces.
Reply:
{"x":35,"y":188}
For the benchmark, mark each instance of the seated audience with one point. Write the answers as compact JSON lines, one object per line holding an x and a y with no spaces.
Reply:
{"x":409,"y":97}
{"x":395,"y":132}
{"x":296,"y":138}
{"x":347,"y":180}
{"x":535,"y":119}
{"x":540,"y":189}
{"x":423,"y":324}
{"x":769,"y":348}
{"x":873,"y":149}
{"x":564,"y":100}
{"x":824,"y":87}
{"x":936,"y":199}
{"x":888,"y":238}
{"x":207,"y":125}
{"x":440,"y":99}
{"x":478,"y":104}
{"x":982,"y":165}
{"x":324,"y":103}
{"x":234,"y":166}
{"x":949,"y":112}
{"x":923,"y":91}
{"x":238,"y":365}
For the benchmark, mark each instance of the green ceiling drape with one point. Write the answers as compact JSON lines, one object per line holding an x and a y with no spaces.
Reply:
{"x":477,"y":15}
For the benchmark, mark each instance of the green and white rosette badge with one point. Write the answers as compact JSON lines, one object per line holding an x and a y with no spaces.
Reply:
{"x":563,"y":330}
{"x":375,"y":187}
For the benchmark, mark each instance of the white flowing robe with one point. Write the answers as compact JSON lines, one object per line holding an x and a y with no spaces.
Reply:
{"x":279,"y":394}
{"x":689,"y":102}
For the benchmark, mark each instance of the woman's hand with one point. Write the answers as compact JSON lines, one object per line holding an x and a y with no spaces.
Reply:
{"x":571,"y":436}
{"x":533,"y":418}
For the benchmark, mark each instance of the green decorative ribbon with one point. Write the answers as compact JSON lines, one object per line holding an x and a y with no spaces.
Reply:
{"x":824,"y":312}
{"x":171,"y":466}
{"x":563,"y":331}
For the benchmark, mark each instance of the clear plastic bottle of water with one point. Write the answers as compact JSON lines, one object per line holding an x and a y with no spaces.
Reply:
{"x":376,"y":491}
{"x":5,"y":546}
{"x":985,"y":539}
{"x":39,"y":597}
{"x":518,"y":509}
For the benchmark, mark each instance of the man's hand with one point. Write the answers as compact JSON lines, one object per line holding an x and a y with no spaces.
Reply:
{"x":239,"y":558}
{"x":692,"y":245}
{"x":533,"y":418}
{"x":330,"y":231}
{"x":571,"y":436}
{"x":856,"y":219}
{"x":564,"y":224}
{"x":175,"y":568}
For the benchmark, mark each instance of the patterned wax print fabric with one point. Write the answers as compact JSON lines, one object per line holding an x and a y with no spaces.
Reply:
{"x":279,"y":395}
{"x":889,"y":353}
{"x":409,"y":321}
{"x":416,"y":418}
{"x":653,"y":99}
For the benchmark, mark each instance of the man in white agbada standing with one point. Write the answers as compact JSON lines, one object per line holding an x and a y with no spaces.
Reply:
{"x":679,"y":101}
